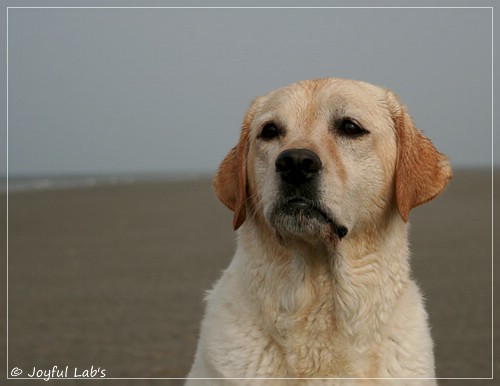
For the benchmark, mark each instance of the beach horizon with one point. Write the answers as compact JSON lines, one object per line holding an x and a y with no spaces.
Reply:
{"x":113,"y":275}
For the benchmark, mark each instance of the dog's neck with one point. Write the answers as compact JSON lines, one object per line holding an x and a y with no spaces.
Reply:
{"x":334,"y":280}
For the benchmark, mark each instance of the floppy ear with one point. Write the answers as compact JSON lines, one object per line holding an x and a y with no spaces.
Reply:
{"x":422,"y":172}
{"x":230,"y":181}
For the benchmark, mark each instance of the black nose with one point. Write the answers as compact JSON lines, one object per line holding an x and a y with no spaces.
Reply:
{"x":297,"y":166}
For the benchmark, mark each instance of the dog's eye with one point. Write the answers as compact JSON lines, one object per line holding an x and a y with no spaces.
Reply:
{"x":269,"y":131}
{"x":351,"y":129}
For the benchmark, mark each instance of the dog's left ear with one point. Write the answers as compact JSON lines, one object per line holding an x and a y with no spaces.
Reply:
{"x":230,"y":181}
{"x":422,"y":172}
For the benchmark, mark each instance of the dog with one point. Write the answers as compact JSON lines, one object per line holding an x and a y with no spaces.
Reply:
{"x":319,"y":291}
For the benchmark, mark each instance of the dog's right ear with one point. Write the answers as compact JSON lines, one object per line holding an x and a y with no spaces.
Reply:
{"x":422,"y":172}
{"x":230,"y":181}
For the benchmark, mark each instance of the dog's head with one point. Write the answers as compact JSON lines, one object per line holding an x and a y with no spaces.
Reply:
{"x":327,"y":158}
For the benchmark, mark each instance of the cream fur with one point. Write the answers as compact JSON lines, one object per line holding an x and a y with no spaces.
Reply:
{"x":306,"y":305}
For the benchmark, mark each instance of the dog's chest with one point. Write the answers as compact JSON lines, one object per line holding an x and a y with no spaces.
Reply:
{"x":307,"y":342}
{"x":312,"y":346}
{"x":306,"y":334}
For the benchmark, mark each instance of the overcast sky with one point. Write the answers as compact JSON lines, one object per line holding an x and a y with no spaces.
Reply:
{"x":95,"y":91}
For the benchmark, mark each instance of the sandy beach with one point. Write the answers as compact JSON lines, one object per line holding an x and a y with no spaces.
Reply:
{"x":113,"y":276}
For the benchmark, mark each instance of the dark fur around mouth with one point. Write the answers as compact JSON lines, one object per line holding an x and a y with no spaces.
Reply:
{"x":307,"y":208}
{"x":305,"y":218}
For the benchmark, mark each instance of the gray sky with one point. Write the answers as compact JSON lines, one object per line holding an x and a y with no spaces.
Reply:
{"x":164,"y":90}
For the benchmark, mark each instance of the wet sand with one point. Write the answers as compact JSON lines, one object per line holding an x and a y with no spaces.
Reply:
{"x":114,"y":276}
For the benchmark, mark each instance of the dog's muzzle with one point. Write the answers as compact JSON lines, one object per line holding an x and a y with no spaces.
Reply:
{"x":298,"y":209}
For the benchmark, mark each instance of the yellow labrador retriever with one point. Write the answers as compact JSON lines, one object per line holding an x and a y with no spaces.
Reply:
{"x":321,"y":184}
